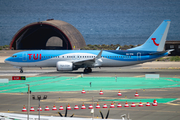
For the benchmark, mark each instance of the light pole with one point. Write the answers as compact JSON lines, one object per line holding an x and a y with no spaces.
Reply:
{"x":39,"y":98}
{"x":28,"y":101}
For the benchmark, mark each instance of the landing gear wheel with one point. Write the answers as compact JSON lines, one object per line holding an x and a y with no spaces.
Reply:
{"x":87,"y":70}
{"x":21,"y":70}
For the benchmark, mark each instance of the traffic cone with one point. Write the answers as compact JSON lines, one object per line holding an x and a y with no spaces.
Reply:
{"x":154,"y":102}
{"x":83,"y":106}
{"x":104,"y":106}
{"x":76,"y":107}
{"x":97,"y":106}
{"x":140,"y":104}
{"x":101,"y":92}
{"x":68,"y":107}
{"x":119,"y":105}
{"x":39,"y":108}
{"x":61,"y":108}
{"x":133,"y":105}
{"x":126,"y":104}
{"x":112,"y":105}
{"x":46,"y":109}
{"x":83,"y":91}
{"x":24,"y":109}
{"x":32,"y":109}
{"x":148,"y":104}
{"x":54,"y":108}
{"x":119,"y":93}
{"x":90,"y":107}
{"x":136,"y":94}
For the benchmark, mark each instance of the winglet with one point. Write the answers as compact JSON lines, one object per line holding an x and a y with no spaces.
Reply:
{"x":99,"y":55}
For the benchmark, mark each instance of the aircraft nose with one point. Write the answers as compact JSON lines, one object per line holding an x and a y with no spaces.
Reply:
{"x":6,"y":60}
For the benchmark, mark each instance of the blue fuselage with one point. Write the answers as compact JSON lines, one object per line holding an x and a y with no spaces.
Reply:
{"x":109,"y":58}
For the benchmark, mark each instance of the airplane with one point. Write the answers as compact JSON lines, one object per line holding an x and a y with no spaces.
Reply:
{"x":69,"y":60}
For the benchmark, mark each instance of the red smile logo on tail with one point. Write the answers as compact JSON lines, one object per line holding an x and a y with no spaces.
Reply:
{"x":154,"y":41}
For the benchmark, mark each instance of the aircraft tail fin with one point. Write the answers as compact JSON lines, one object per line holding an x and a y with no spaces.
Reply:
{"x":157,"y":40}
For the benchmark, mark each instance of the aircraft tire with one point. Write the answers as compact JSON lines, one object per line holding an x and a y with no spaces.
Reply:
{"x":85,"y":70}
{"x":89,"y":70}
{"x":21,"y":71}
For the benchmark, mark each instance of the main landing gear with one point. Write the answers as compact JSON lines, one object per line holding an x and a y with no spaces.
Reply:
{"x":21,"y":70}
{"x":87,"y":70}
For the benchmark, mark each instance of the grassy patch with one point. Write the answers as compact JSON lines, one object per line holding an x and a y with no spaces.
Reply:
{"x":5,"y":47}
{"x":169,"y":58}
{"x":107,"y":47}
{"x":175,"y":58}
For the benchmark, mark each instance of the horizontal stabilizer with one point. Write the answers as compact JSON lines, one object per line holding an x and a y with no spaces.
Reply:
{"x":161,"y":52}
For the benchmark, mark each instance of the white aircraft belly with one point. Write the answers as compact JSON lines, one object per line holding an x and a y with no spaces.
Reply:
{"x":117,"y":63}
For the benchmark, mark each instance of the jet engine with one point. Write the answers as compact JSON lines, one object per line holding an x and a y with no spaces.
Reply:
{"x":64,"y":66}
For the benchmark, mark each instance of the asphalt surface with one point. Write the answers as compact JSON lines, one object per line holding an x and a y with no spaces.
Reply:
{"x":13,"y":102}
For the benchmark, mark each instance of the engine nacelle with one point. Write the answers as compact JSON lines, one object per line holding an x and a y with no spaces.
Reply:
{"x":64,"y":66}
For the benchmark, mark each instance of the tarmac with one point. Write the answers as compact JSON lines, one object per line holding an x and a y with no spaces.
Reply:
{"x":63,"y":88}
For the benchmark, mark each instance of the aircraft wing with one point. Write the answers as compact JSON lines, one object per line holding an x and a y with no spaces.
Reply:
{"x":90,"y":62}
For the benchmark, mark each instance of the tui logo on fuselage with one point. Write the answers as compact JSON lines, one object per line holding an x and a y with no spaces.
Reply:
{"x":35,"y":56}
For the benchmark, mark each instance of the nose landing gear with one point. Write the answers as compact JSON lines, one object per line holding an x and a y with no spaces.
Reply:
{"x":21,"y":70}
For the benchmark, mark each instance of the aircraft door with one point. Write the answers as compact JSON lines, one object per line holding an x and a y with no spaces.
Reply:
{"x":24,"y":56}
{"x":138,"y":56}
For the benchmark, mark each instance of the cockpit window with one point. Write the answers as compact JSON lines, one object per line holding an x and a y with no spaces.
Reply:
{"x":14,"y":56}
